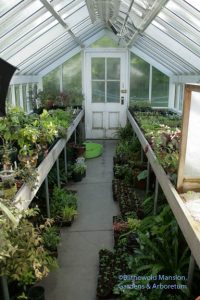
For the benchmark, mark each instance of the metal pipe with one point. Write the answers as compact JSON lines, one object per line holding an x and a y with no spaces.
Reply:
{"x":126,"y":19}
{"x":58,"y":171}
{"x":65,"y":158}
{"x":47,"y":197}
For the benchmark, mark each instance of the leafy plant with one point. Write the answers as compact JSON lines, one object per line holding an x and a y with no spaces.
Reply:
{"x":68,"y":213}
{"x":23,"y":257}
{"x":79,"y":168}
{"x":125,"y":133}
{"x":51,"y":237}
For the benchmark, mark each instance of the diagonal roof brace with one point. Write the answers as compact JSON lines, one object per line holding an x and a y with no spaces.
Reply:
{"x":56,"y":15}
{"x":150,"y":16}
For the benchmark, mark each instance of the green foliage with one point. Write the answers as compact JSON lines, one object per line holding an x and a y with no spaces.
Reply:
{"x":79,"y":168}
{"x":160,"y":250}
{"x":68,"y":213}
{"x":128,"y":148}
{"x":62,"y":199}
{"x":51,"y":237}
{"x":22,"y":254}
{"x":125,"y":133}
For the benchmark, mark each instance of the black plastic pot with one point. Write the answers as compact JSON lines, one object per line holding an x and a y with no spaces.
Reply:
{"x":36,"y":293}
{"x":77,"y":177}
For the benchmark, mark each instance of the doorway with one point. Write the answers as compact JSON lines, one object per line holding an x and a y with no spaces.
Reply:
{"x":105,"y":92}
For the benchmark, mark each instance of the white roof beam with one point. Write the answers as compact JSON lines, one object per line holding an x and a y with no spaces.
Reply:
{"x":156,"y":8}
{"x":56,"y":15}
{"x":186,"y":79}
{"x":90,"y":10}
{"x":20,"y":79}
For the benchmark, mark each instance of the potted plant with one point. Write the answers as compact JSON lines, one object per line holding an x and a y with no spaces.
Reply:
{"x":28,"y":261}
{"x":7,"y":174}
{"x":28,"y":156}
{"x":51,"y":238}
{"x":9,"y":188}
{"x":61,"y":199}
{"x":78,"y":171}
{"x":68,"y":214}
{"x":28,"y":175}
{"x":79,"y":150}
{"x":7,"y":151}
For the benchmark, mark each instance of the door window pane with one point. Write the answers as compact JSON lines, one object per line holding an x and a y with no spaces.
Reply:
{"x":98,"y":91}
{"x":113,"y":91}
{"x":98,"y":68}
{"x":113,"y":68}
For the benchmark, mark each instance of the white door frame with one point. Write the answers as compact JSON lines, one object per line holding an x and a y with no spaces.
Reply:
{"x":104,"y":52}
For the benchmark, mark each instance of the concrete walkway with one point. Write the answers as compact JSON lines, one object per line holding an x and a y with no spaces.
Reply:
{"x":76,"y":279}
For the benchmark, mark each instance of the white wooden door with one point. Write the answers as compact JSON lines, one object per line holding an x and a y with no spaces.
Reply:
{"x":105,"y":93}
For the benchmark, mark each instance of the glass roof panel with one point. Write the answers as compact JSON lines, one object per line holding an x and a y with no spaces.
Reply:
{"x":7,"y":5}
{"x":194,"y":3}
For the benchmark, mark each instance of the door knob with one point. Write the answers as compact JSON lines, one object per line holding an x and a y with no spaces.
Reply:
{"x":122,"y":100}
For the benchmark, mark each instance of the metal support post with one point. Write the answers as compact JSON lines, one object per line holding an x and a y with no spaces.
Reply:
{"x":5,"y":290}
{"x":191,"y":271}
{"x":65,"y":158}
{"x":58,"y":172}
{"x":156,"y":197}
{"x":47,"y":197}
{"x":148,"y":177}
{"x":142,"y":154}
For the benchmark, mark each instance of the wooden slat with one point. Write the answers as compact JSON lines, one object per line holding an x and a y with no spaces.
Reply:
{"x":182,"y":154}
{"x":189,"y":227}
{"x":24,"y":196}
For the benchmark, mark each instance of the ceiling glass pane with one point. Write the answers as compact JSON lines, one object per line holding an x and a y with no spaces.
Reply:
{"x":194,"y":3}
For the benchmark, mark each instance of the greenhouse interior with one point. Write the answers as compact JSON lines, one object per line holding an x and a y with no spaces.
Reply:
{"x":99,"y":149}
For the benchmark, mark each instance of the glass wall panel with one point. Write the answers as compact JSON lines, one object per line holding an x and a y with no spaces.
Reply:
{"x":139,"y":79}
{"x":24,"y":97}
{"x":181,"y":96}
{"x":17,"y":95}
{"x":9,"y":97}
{"x":104,"y":42}
{"x":51,"y":82}
{"x":72,"y":74}
{"x":160,"y":89}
